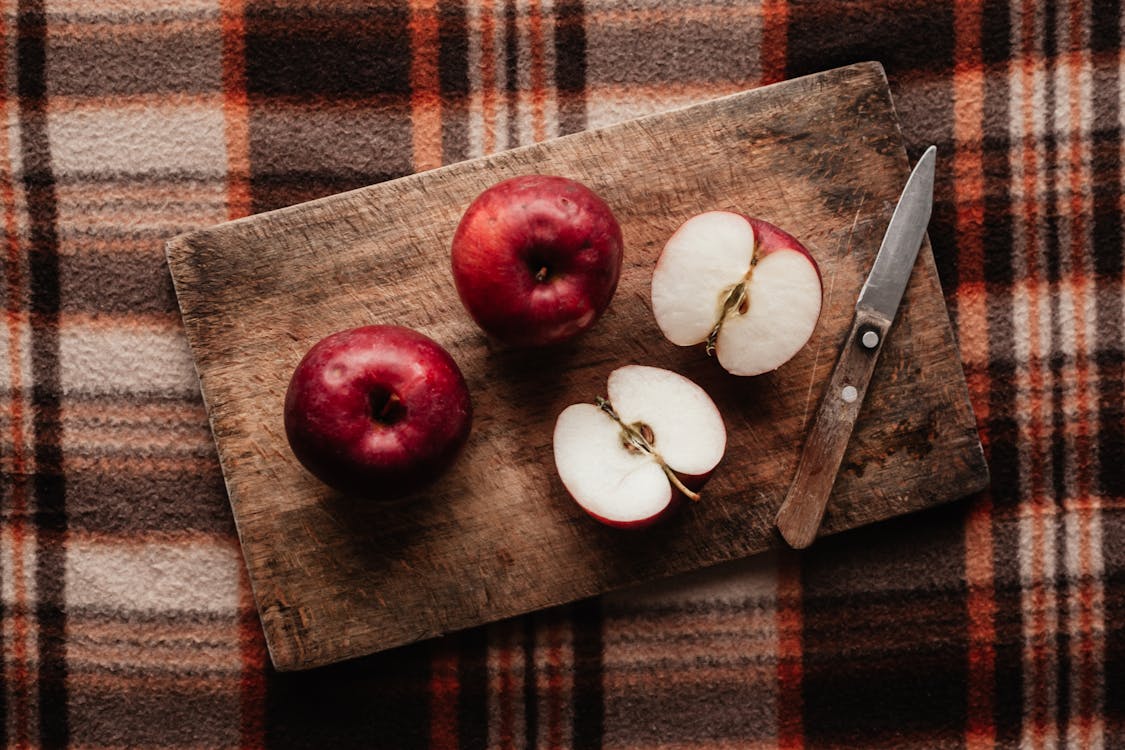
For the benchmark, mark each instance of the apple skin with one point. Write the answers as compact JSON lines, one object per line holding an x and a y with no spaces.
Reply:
{"x":771,"y":239}
{"x":694,"y":482}
{"x":330,"y":406}
{"x":524,"y":224}
{"x":643,"y":523}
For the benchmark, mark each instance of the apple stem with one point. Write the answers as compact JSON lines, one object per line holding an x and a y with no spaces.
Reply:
{"x":385,"y":407}
{"x":389,"y":406}
{"x":541,"y":274}
{"x":636,"y":437}
{"x":675,"y":480}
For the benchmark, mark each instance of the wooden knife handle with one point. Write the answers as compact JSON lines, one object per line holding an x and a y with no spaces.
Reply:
{"x":800,"y":514}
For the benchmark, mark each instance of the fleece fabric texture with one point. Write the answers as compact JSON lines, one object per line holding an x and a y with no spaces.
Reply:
{"x":126,"y":617}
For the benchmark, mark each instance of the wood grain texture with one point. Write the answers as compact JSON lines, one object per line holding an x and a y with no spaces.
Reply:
{"x":820,"y":156}
{"x":803,"y":508}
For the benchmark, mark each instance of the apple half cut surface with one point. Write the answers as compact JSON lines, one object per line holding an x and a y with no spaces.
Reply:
{"x":748,"y":290}
{"x":626,"y":458}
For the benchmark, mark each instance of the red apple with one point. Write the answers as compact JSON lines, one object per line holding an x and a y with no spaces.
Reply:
{"x":536,"y":259}
{"x":626,"y":459}
{"x":747,"y":289}
{"x":377,"y":411}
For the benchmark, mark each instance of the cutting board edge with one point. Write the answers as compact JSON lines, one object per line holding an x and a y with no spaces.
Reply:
{"x":275,"y":648}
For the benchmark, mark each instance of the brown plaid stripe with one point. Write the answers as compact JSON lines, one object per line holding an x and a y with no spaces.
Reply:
{"x":125,"y":616}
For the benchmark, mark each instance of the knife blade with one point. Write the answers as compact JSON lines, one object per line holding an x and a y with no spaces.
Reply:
{"x":800,"y":514}
{"x":891,"y":270}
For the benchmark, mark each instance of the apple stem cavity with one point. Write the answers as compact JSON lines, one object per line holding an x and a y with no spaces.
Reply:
{"x":640,"y":437}
{"x":386,"y":407}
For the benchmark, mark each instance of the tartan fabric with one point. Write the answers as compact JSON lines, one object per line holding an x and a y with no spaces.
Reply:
{"x":126,"y":617}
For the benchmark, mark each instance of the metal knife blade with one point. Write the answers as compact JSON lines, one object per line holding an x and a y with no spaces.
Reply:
{"x":890,"y":273}
{"x":800,"y":514}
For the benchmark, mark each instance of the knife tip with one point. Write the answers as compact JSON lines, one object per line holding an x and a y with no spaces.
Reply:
{"x":925,"y":169}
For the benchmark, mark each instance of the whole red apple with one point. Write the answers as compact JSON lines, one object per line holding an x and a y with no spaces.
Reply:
{"x":377,"y":411}
{"x":536,"y":259}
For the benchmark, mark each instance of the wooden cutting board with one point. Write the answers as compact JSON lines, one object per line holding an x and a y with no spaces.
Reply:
{"x":820,"y":156}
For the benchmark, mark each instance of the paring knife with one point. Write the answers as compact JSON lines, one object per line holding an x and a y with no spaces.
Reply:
{"x":800,"y":514}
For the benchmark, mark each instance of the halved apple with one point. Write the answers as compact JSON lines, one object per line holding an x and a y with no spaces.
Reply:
{"x":624,"y":459}
{"x":748,"y":290}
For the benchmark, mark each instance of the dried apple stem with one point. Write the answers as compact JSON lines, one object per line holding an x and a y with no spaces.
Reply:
{"x":675,"y":480}
{"x":389,"y":406}
{"x":636,"y":438}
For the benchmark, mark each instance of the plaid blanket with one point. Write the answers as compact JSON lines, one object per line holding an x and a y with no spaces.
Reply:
{"x":126,"y":616}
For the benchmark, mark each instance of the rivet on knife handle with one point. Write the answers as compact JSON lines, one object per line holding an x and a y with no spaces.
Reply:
{"x":800,"y":514}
